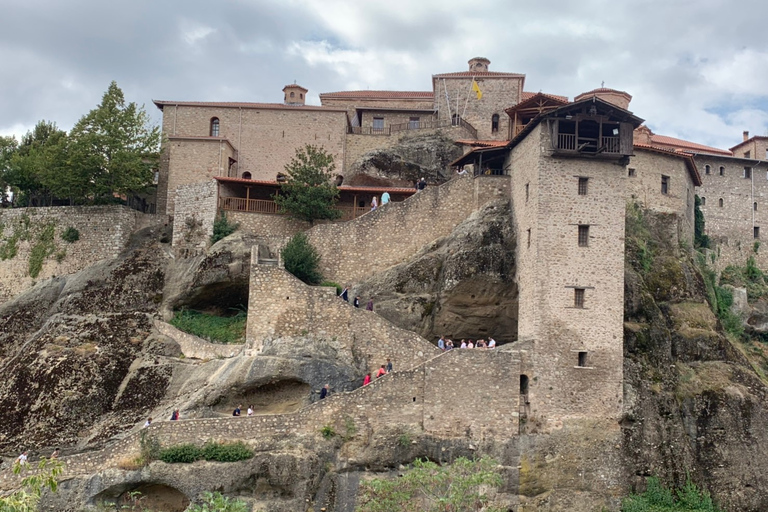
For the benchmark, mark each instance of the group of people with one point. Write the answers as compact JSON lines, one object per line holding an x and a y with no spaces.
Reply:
{"x":383,"y":370}
{"x":239,"y":408}
{"x":384,"y":200}
{"x":22,"y":459}
{"x":447,"y":344}
{"x":356,"y":301}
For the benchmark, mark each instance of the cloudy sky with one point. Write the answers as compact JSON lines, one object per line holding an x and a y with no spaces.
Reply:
{"x":698,"y":69}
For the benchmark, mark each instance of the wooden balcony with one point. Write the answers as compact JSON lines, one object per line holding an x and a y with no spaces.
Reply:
{"x":240,"y":204}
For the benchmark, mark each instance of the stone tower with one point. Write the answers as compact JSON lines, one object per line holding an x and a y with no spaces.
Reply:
{"x":294,"y":94}
{"x":479,"y":64}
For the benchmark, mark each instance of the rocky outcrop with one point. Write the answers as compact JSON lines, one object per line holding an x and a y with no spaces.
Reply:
{"x":461,"y":286}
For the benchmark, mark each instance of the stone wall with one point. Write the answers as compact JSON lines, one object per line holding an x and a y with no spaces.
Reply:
{"x":196,"y":207}
{"x":552,"y":326}
{"x":280,"y":307}
{"x":272,"y":230}
{"x":423,"y":399}
{"x":731,"y":226}
{"x":499,"y":93}
{"x":393,"y":233}
{"x":104,"y":231}
{"x":644,"y":186}
{"x":197,"y":348}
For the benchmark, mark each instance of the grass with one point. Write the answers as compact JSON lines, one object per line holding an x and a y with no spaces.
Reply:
{"x":216,"y":329}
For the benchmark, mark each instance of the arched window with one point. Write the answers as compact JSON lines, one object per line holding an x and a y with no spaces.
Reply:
{"x":523,"y":384}
{"x":293,"y":94}
{"x":301,"y":96}
{"x":722,"y":171}
{"x":720,"y":202}
{"x":703,"y":201}
{"x":246,"y":175}
{"x":214,"y":127}
{"x":706,"y":169}
{"x":754,"y":206}
{"x":495,"y":123}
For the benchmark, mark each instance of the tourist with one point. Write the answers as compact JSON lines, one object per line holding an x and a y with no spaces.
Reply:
{"x":345,"y":294}
{"x":382,"y":371}
{"x":491,"y":343}
{"x":470,"y":344}
{"x":55,"y":454}
{"x":463,"y":344}
{"x":356,"y":302}
{"x":148,"y":422}
{"x":480,"y":343}
{"x":384,"y":198}
{"x":374,"y":203}
{"x":250,"y":410}
{"x":175,"y":416}
{"x":22,"y":459}
{"x":422,"y":184}
{"x":369,"y":306}
{"x":461,"y":171}
{"x":441,"y":343}
{"x":449,"y":345}
{"x":389,"y":365}
{"x":367,"y":379}
{"x":236,"y":412}
{"x":324,"y":392}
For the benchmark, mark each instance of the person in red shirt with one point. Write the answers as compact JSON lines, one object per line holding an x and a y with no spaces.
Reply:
{"x":367,"y":379}
{"x":382,"y":371}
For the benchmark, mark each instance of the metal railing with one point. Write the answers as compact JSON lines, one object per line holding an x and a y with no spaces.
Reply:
{"x":412,"y":125}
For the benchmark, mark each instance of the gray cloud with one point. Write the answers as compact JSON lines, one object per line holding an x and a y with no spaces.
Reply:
{"x":696,"y":70}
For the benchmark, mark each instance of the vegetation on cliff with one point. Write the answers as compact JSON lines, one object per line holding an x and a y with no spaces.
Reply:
{"x":214,"y":328}
{"x":658,"y":498}
{"x":302,"y":260}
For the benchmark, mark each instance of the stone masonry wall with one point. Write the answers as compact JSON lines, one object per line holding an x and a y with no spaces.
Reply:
{"x":731,"y":226}
{"x":104,"y":231}
{"x":423,"y":399}
{"x":281,"y":306}
{"x":393,"y":233}
{"x":645,"y":188}
{"x":272,"y":230}
{"x":196,"y":205}
{"x":197,"y":348}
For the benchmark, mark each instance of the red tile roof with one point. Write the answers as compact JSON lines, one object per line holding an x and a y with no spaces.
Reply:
{"x":478,"y":74}
{"x":528,"y":95}
{"x":297,"y":86}
{"x":689,"y":161}
{"x":403,"y":95}
{"x":599,"y":90}
{"x":225,"y":104}
{"x":687,"y":145}
{"x":751,"y":139}
{"x":392,"y":190}
{"x":484,"y":143}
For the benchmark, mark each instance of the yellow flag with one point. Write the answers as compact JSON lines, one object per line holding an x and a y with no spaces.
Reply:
{"x":477,"y":90}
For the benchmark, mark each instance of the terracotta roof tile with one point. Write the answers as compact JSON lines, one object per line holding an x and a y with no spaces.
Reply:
{"x":528,"y":95}
{"x":427,"y":95}
{"x":226,"y":104}
{"x":687,"y":145}
{"x":484,"y":143}
{"x":480,"y":74}
{"x":689,"y":161}
{"x":296,"y":86}
{"x":602,"y":89}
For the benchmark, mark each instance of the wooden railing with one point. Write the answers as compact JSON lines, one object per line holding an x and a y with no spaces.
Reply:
{"x":566,"y":141}
{"x":240,"y":204}
{"x":412,"y":125}
{"x":611,"y":144}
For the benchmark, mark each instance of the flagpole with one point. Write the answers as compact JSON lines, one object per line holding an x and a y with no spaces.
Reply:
{"x":466,"y":102}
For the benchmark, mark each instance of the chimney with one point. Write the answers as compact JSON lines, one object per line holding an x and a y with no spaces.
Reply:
{"x":746,"y":135}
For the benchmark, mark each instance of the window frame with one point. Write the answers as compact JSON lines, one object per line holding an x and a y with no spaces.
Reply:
{"x":495,"y":121}
{"x":214,"y":127}
{"x":583,"y":186}
{"x":665,"y":184}
{"x":377,"y":120}
{"x":579,"y":298}
{"x":583,"y":235}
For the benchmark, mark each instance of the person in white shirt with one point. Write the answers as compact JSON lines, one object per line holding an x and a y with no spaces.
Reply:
{"x":148,"y":422}
{"x":250,"y":410}
{"x":384,"y":198}
{"x":22,"y":459}
{"x":491,"y":343}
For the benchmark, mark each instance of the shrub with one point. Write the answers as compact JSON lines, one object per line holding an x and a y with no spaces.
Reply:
{"x":226,"y":452}
{"x":302,"y":260}
{"x":222,"y":228}
{"x":216,"y":329}
{"x":328,"y":432}
{"x":335,"y":285}
{"x":70,"y":235}
{"x":216,"y":502}
{"x":149,"y":448}
{"x":182,"y":453}
{"x":658,"y":498}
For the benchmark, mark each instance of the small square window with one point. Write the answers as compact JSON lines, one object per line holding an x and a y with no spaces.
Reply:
{"x":583,"y":236}
{"x":707,"y":169}
{"x":720,"y":202}
{"x":665,"y":184}
{"x":578,"y":297}
{"x":631,"y":172}
{"x":378,"y":123}
{"x":703,"y":201}
{"x":748,"y":173}
{"x":413,"y":123}
{"x":582,"y":359}
{"x":583,"y":186}
{"x":756,"y":232}
{"x":747,"y":154}
{"x":722,"y":171}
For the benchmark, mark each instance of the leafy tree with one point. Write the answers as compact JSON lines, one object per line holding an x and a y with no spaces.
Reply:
{"x":45,"y":475}
{"x":302,"y":259}
{"x":658,"y":498}
{"x":8,"y":146}
{"x":113,"y":150}
{"x":40,"y":155}
{"x":222,"y":228}
{"x":308,"y":193}
{"x":429,"y":487}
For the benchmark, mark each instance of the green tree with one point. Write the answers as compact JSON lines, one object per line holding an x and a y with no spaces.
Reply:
{"x":113,"y":150}
{"x":302,"y":259}
{"x":37,"y":478}
{"x":658,"y":498}
{"x":429,"y":487}
{"x":40,"y":155}
{"x":308,"y":193}
{"x":700,"y":239}
{"x":8,"y":147}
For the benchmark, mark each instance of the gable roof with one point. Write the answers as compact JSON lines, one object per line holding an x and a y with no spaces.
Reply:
{"x":599,"y":90}
{"x":528,"y":95}
{"x":751,"y":139}
{"x":685,"y":145}
{"x":295,"y":86}
{"x":533,"y":99}
{"x":690,"y":163}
